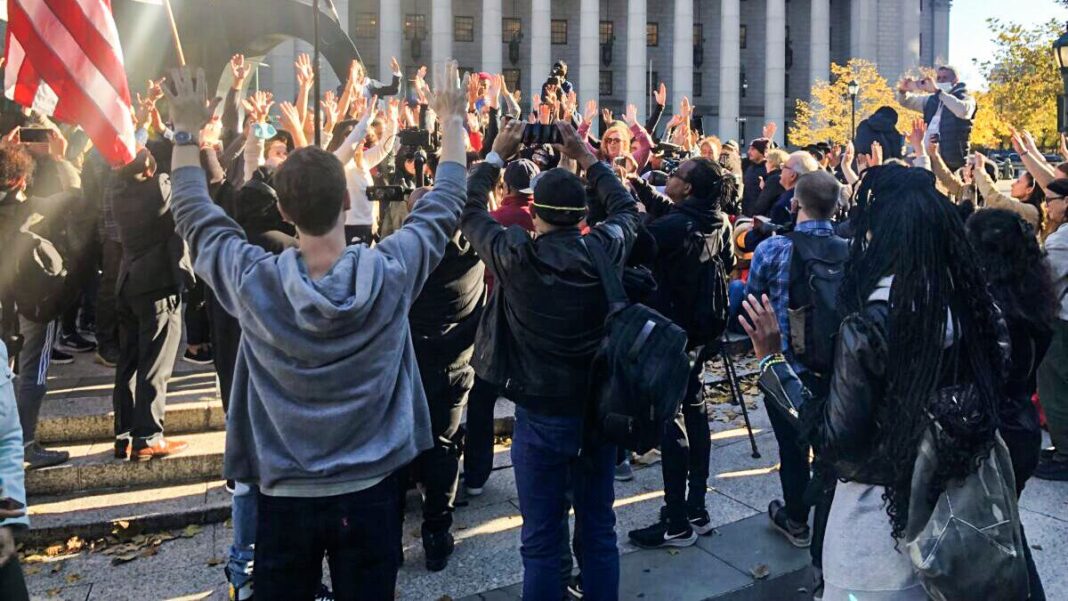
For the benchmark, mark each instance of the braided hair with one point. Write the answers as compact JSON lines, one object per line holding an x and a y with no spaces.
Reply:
{"x":907,"y":229}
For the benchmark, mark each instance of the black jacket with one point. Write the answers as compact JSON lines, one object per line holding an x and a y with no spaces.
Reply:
{"x":751,"y":182}
{"x":444,"y":317}
{"x":546,"y":315}
{"x":773,"y":189}
{"x":155,"y":260}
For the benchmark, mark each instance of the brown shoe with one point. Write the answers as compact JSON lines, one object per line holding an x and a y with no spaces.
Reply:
{"x":163,"y":448}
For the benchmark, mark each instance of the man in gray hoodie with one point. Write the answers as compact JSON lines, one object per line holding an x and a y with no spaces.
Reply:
{"x":327,"y":402}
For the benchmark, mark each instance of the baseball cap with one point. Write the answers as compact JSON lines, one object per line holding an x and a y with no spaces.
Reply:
{"x":518,"y":175}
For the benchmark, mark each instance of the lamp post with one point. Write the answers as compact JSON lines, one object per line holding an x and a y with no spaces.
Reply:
{"x":1060,"y":53}
{"x":853,"y":88}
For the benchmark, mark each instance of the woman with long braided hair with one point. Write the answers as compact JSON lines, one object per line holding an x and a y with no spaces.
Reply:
{"x":919,"y":319}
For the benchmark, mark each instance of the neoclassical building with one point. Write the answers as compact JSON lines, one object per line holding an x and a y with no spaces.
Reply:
{"x":741,"y":62}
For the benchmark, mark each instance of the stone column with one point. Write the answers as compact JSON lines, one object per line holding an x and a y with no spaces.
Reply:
{"x":492,"y":42}
{"x":941,"y":31}
{"x":775,"y":66}
{"x":440,"y":31}
{"x":682,"y":54}
{"x":730,"y":65}
{"x":863,"y":40}
{"x":819,"y":58}
{"x":540,"y":45}
{"x":910,"y":32}
{"x":589,"y":70}
{"x":390,"y":37}
{"x":636,"y":56}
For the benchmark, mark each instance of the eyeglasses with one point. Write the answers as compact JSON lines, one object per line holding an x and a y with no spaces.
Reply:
{"x":613,"y":140}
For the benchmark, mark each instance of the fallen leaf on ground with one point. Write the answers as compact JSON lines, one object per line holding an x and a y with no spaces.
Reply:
{"x":191,"y":530}
{"x":124,"y":558}
{"x":760,"y":571}
{"x":216,"y":561}
{"x":72,"y":578}
{"x":75,"y":544}
{"x":1036,"y":547}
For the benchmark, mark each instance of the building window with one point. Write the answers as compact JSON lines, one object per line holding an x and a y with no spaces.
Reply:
{"x":698,"y":85}
{"x":414,"y":24}
{"x":742,"y":35}
{"x":606,"y":83}
{"x":559,"y":31}
{"x":366,"y":25}
{"x":463,"y":29}
{"x":608,"y":29}
{"x":652,"y":34}
{"x":511,"y":78}
{"x":698,"y":32}
{"x":509,"y":27}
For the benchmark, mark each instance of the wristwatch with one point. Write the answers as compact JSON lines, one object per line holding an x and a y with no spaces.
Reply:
{"x":495,"y":159}
{"x":184,"y":138}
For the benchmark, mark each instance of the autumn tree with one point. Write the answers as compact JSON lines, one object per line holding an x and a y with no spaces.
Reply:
{"x":827,"y":116}
{"x":1023,"y":82}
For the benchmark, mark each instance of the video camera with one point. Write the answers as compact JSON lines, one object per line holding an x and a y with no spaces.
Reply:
{"x":387,"y":193}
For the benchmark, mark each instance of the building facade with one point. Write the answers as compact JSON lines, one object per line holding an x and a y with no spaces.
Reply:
{"x":741,"y":62}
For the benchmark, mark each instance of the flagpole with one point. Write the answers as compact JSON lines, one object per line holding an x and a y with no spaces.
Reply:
{"x":316,"y":85}
{"x":174,"y":33}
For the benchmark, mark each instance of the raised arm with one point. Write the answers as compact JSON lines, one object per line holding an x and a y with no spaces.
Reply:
{"x":994,"y":199}
{"x":345,"y":152}
{"x":222,"y":255}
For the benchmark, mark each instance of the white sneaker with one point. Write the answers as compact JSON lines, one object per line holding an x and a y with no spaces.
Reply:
{"x":473,"y":492}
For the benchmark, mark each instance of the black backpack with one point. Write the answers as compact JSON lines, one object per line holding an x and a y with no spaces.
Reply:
{"x":43,"y":291}
{"x":640,"y":371}
{"x":699,"y":294}
{"x":816,"y":271}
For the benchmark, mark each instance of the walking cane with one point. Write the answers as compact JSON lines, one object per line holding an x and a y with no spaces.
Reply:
{"x":736,"y":393}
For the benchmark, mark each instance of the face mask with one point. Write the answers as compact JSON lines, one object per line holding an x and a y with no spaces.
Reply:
{"x":945,"y":86}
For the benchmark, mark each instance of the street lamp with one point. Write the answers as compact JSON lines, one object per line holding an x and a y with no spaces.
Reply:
{"x":853,"y":88}
{"x":1060,"y":53}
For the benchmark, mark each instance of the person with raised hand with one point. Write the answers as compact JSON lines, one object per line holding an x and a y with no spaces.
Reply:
{"x":326,"y":404}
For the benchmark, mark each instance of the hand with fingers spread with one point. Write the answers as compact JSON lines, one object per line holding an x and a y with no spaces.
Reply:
{"x":290,"y":120}
{"x":631,"y":116}
{"x":660,"y":95}
{"x":493,"y":90}
{"x":573,"y":146}
{"x":393,"y":64}
{"x":449,"y":100}
{"x":834,"y":158}
{"x":210,"y":134}
{"x":607,"y":116}
{"x":762,"y":326}
{"x":305,"y":72}
{"x":769,"y":130}
{"x":472,"y":92}
{"x":330,"y":111}
{"x":258,"y":106}
{"x":917,"y":136}
{"x":590,"y":113}
{"x":876,"y":157}
{"x":239,"y":70}
{"x":154,"y":89}
{"x":192,"y":105}
{"x":509,"y":139}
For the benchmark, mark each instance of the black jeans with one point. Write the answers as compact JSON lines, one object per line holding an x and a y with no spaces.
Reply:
{"x":107,"y":320}
{"x":446,"y":388}
{"x":225,"y":339}
{"x":478,"y":449}
{"x":197,"y":322}
{"x":685,"y":448}
{"x":1025,"y":447}
{"x":794,"y":467}
{"x":151,"y":330}
{"x":12,"y":584}
{"x":360,"y":534}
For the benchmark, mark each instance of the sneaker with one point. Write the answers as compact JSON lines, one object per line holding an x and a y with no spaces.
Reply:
{"x":473,"y":491}
{"x":203,"y":356}
{"x":164,"y":447}
{"x":245,"y":593}
{"x":799,"y":535}
{"x":660,"y":535}
{"x":699,"y":521}
{"x":574,"y":586}
{"x":817,"y":584}
{"x":624,"y":473}
{"x":74,"y":343}
{"x":1048,"y":469}
{"x":61,"y":358}
{"x":324,"y":594}
{"x":1048,"y":454}
{"x":106,"y":358}
{"x":437,"y":546}
{"x":36,"y":457}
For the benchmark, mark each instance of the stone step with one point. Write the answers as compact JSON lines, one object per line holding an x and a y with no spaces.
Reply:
{"x":56,"y":518}
{"x":93,"y":467}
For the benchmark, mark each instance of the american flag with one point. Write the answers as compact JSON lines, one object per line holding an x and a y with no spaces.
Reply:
{"x":64,"y":60}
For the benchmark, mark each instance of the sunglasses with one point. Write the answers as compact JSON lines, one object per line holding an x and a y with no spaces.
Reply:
{"x":613,"y":140}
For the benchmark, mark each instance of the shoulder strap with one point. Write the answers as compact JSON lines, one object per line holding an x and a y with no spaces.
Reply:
{"x":610,"y":280}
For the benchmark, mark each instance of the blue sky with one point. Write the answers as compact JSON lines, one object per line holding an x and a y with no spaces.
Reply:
{"x":969,"y":37}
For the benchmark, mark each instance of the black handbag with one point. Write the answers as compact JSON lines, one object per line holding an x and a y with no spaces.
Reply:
{"x":640,"y":370}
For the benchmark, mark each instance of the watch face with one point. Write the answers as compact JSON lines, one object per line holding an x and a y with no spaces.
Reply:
{"x":183,"y":137}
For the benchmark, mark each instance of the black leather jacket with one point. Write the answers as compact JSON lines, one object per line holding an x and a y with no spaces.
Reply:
{"x":545,"y":317}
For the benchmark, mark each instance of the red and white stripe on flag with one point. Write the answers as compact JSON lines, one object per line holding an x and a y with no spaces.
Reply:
{"x":64,"y":60}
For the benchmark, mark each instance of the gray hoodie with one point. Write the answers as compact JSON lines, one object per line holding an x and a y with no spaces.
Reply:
{"x":327,"y":397}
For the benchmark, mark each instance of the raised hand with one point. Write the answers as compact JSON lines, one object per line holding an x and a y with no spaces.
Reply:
{"x":258,"y":105}
{"x":917,"y":136}
{"x":239,"y":69}
{"x":570,"y":104}
{"x":876,"y":157}
{"x":448,"y":98}
{"x":573,"y":146}
{"x":393,"y":64}
{"x":493,"y":90}
{"x":906,"y":85}
{"x":607,"y":115}
{"x":210,"y":133}
{"x":660,"y":95}
{"x":591,"y":112}
{"x":1017,"y":141}
{"x":769,"y":130}
{"x":187,"y":94}
{"x":544,"y":114}
{"x":305,"y":72}
{"x":472,"y":91}
{"x":761,"y":326}
{"x":685,"y":110}
{"x":509,"y":139}
{"x":848,"y":154}
{"x":155,"y":89}
{"x":291,"y":120}
{"x":631,"y":116}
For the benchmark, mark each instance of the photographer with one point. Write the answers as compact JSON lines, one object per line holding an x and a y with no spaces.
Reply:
{"x":537,"y":341}
{"x":948,"y":110}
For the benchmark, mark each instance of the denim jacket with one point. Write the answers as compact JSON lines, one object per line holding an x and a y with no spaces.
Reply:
{"x":12,"y":476}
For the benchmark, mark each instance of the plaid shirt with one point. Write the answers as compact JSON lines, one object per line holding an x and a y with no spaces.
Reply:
{"x":769,"y":273}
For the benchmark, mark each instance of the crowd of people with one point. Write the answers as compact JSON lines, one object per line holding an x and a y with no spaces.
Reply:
{"x":437,"y":248}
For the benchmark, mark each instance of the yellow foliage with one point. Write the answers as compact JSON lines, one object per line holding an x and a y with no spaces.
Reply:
{"x":828,"y":115}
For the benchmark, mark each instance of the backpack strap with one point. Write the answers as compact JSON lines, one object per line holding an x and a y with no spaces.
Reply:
{"x":610,"y":279}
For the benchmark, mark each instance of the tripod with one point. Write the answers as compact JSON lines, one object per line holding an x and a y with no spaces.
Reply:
{"x":736,"y":391}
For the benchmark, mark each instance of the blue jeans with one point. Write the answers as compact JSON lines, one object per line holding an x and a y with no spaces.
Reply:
{"x":242,"y":551}
{"x":549,"y":460}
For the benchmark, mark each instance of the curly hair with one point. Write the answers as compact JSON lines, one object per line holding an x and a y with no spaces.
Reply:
{"x":1020,"y":280}
{"x":15,"y":164}
{"x":907,"y":229}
